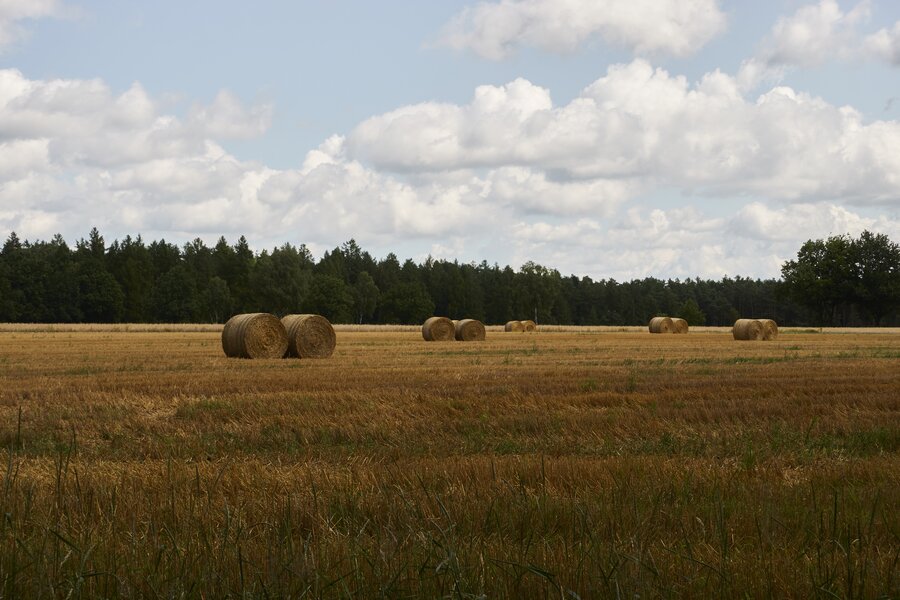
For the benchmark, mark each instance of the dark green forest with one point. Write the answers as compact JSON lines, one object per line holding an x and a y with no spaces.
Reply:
{"x":839,"y":281}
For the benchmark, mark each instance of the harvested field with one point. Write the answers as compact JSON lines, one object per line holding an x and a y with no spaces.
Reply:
{"x":591,"y":461}
{"x":350,"y":328}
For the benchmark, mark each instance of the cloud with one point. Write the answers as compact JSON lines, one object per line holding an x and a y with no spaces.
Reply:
{"x":638,"y":127}
{"x":74,"y":149}
{"x":74,"y":153}
{"x":508,"y":177}
{"x":87,"y":125}
{"x":18,"y":158}
{"x":804,"y":221}
{"x":531,"y":191}
{"x":685,"y":243}
{"x":885,"y":44}
{"x":14,"y":11}
{"x":494,"y":30}
{"x":227,"y":118}
{"x":816,"y":34}
{"x":678,"y":242}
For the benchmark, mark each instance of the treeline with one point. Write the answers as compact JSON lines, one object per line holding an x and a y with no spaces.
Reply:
{"x":847,"y":281}
{"x":132,"y":281}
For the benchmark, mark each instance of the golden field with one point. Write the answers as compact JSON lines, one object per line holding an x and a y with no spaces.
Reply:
{"x":574,"y":463}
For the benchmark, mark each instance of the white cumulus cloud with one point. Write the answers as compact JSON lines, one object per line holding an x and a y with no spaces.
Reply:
{"x":639,"y":126}
{"x":12,"y":12}
{"x":816,"y":34}
{"x":685,"y":242}
{"x":494,"y":30}
{"x":885,"y":44}
{"x":86,"y":124}
{"x":509,"y":173}
{"x":804,"y":221}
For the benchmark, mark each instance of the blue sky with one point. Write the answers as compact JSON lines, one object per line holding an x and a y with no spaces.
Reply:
{"x":316,"y":122}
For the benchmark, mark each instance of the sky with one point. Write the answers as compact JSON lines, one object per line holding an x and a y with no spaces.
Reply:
{"x":609,"y":138}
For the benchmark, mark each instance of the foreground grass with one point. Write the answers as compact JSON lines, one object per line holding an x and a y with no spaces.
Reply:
{"x":556,"y":465}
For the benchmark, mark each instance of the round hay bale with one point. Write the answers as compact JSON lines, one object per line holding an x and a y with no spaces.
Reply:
{"x":438,"y":329}
{"x":515,"y":326}
{"x":529,"y":326}
{"x":254,"y":335}
{"x":681,"y":326}
{"x":309,"y":336}
{"x":662,"y":325}
{"x":470,"y":330}
{"x":770,"y":329}
{"x":747,"y":329}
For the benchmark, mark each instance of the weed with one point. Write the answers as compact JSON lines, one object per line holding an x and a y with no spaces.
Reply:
{"x":590,"y":385}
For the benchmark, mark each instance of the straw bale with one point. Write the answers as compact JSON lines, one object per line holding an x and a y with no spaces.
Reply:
{"x":681,"y":326}
{"x":515,"y":326}
{"x":470,"y":330}
{"x":770,"y":329}
{"x":254,"y":335}
{"x":309,"y":336}
{"x":438,"y":329}
{"x":747,"y":329}
{"x":529,"y":326}
{"x":662,"y":325}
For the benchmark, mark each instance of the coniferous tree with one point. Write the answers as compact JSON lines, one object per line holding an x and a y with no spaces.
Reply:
{"x":175,"y":296}
{"x":690,"y":312}
{"x":365,"y":297}
{"x":216,"y":304}
{"x":99,"y":295}
{"x":11,"y":295}
{"x":236,"y":268}
{"x":330,"y":297}
{"x":163,"y":256}
{"x":281,"y":279}
{"x":840,"y":280}
{"x":130,"y":263}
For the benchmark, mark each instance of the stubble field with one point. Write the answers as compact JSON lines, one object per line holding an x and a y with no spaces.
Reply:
{"x":563,"y":464}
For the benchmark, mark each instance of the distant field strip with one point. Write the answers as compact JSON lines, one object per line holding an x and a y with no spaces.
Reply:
{"x":215,"y":327}
{"x":138,"y":461}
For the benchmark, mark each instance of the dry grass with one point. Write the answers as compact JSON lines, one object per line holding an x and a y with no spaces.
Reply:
{"x":108,"y":327}
{"x":148,"y":464}
{"x":368,"y":328}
